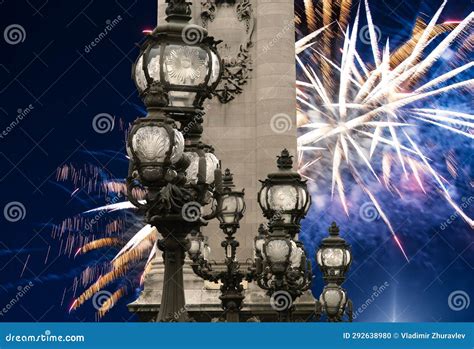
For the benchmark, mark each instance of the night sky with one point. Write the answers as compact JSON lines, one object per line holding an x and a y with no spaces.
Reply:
{"x":57,"y":83}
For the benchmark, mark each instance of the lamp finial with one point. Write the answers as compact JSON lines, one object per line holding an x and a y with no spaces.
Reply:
{"x":178,"y":10}
{"x":285,"y":160}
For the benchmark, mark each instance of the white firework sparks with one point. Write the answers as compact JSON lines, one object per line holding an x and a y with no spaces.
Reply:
{"x":372,"y":112}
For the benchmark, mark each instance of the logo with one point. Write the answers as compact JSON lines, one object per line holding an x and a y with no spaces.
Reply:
{"x":364,"y":34}
{"x":192,"y":34}
{"x":368,"y":212}
{"x":14,"y":34}
{"x":103,"y":123}
{"x":99,"y":299}
{"x":281,"y":301}
{"x":191,"y":212}
{"x":14,"y":211}
{"x":281,"y":123}
{"x":459,"y":300}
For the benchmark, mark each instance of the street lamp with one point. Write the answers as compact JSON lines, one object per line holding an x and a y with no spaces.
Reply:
{"x":281,"y":266}
{"x":229,"y":210}
{"x":177,"y":69}
{"x":284,"y":196}
{"x":334,"y":258}
{"x":231,"y":206}
{"x":181,"y":59}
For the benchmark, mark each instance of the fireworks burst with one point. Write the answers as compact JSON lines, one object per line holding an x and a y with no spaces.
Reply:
{"x":359,"y":119}
{"x":104,"y":230}
{"x":362,"y":120}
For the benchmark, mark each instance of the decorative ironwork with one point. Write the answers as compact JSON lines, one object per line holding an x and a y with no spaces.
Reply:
{"x":282,"y":267}
{"x":178,"y":9}
{"x":231,"y":276}
{"x":178,"y":67}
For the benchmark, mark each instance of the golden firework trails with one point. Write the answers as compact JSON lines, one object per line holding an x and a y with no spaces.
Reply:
{"x":98,"y":285}
{"x":372,"y":105}
{"x":332,"y":14}
{"x":135,"y":254}
{"x":97,"y":244}
{"x":111,"y":301}
{"x":310,"y":14}
{"x":132,"y":252}
{"x":87,"y":177}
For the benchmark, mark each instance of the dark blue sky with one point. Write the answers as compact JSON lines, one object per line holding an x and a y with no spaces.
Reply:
{"x":64,"y":85}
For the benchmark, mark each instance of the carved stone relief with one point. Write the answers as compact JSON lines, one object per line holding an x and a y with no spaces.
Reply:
{"x":237,"y":60}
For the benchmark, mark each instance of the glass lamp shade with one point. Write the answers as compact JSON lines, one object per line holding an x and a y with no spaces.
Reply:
{"x":334,"y":257}
{"x":289,"y":201}
{"x":193,"y":168}
{"x":188,"y":73}
{"x":195,"y":248}
{"x":277,"y":251}
{"x":334,"y":262}
{"x":140,"y":78}
{"x":212,"y":164}
{"x":333,"y":300}
{"x":185,"y":65}
{"x":232,"y":208}
{"x":202,"y":168}
{"x":331,"y":257}
{"x":296,"y":255}
{"x":151,"y":144}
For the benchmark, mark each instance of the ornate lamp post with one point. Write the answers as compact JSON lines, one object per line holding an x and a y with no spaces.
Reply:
{"x":281,"y":264}
{"x":230,"y":207}
{"x":334,"y":258}
{"x":177,"y":69}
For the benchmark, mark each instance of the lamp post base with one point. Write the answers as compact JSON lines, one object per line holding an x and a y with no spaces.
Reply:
{"x":203,"y":303}
{"x":173,"y":305}
{"x":232,"y":303}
